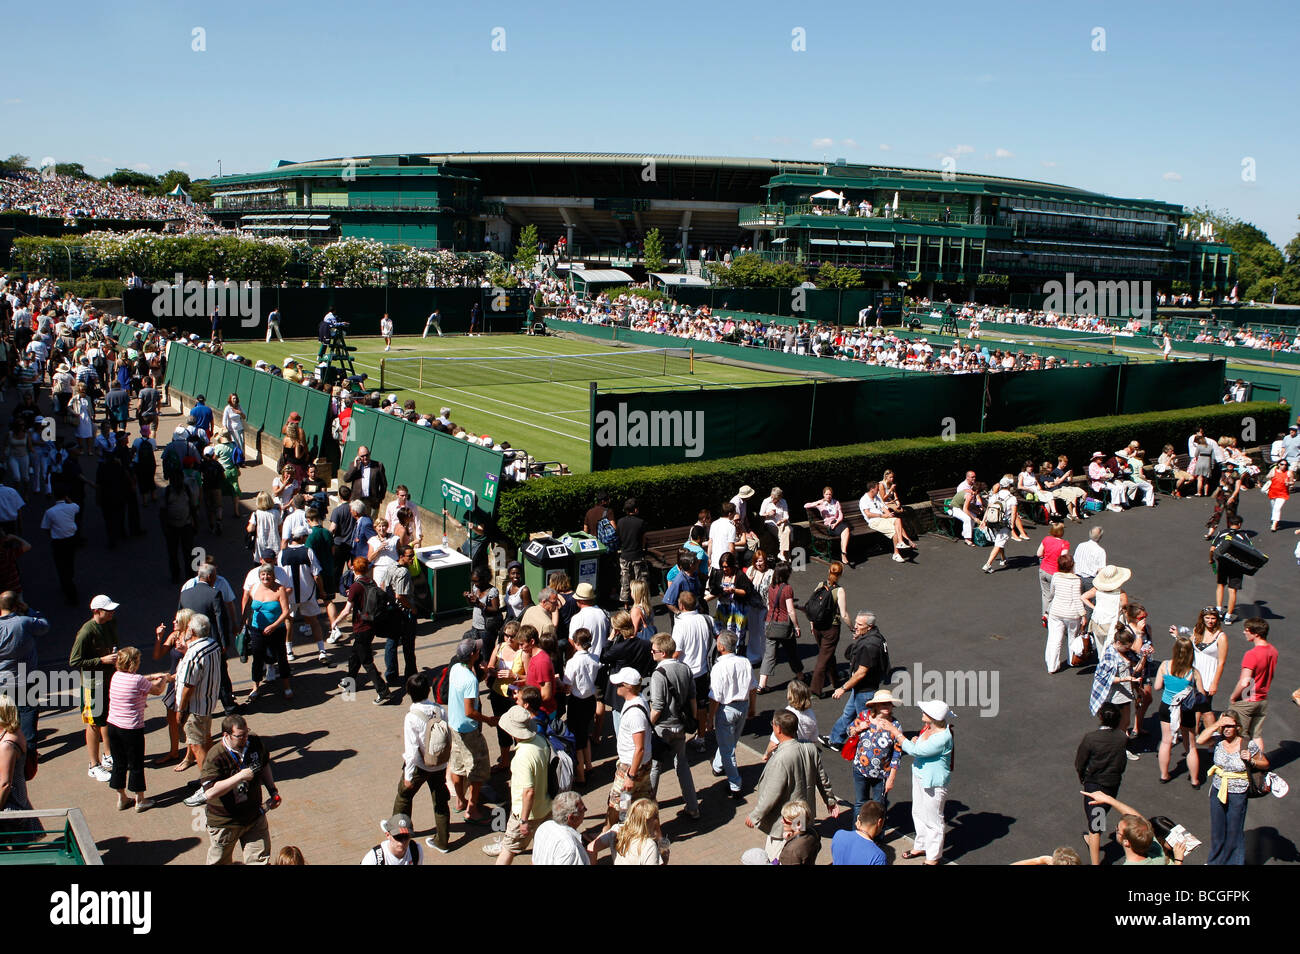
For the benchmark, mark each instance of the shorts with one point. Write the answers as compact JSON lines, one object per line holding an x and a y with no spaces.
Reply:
{"x":469,"y":756}
{"x":198,"y":729}
{"x":883,"y":525}
{"x":1094,"y":816}
{"x":702,"y":687}
{"x":640,"y":784}
{"x":580,"y":715}
{"x":1000,"y":536}
{"x":306,"y":609}
{"x":514,"y":842}
{"x":1232,"y":582}
{"x":1251,"y":715}
{"x":93,"y":709}
{"x":1206,"y":706}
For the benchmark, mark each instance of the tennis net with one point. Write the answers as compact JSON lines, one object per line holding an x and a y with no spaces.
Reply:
{"x":416,"y":373}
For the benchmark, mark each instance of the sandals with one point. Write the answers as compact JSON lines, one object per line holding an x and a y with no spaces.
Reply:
{"x":185,"y":765}
{"x":909,"y":855}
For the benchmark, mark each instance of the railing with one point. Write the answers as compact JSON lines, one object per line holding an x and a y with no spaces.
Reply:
{"x":772,"y":215}
{"x":282,"y":203}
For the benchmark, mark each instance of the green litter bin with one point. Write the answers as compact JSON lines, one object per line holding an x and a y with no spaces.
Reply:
{"x":542,"y":557}
{"x":589,"y":559}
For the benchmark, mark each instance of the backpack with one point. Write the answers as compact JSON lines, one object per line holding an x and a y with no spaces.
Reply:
{"x":439,"y":681}
{"x":382,"y":859}
{"x":375,"y":602}
{"x":436,"y":740}
{"x":559,"y":769}
{"x":178,"y":508}
{"x":213,"y":474}
{"x":291,"y":558}
{"x":172,"y":462}
{"x":607,"y":532}
{"x":993,"y":515}
{"x":821,"y":607}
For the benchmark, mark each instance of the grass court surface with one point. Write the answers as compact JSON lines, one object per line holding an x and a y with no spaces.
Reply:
{"x":514,"y":400}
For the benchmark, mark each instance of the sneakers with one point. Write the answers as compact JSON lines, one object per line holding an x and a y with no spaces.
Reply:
{"x":335,"y":635}
{"x":106,"y":761}
{"x":323,"y":657}
{"x":986,"y":568}
{"x":144,"y":804}
{"x":1116,"y":508}
{"x":98,"y":773}
{"x":288,"y":654}
{"x":1230,"y":618}
{"x":253,"y":696}
{"x":898,"y":559}
{"x":1132,"y":756}
{"x":383,"y":700}
{"x":824,"y":740}
{"x":197,"y":799}
{"x":440,"y":849}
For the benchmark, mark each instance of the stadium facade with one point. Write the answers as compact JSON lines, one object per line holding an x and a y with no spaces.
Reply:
{"x":954,"y":230}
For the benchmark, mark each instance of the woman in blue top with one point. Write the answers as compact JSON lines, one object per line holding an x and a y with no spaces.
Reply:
{"x":268,"y":607}
{"x":931,"y":753}
{"x":1176,"y":674}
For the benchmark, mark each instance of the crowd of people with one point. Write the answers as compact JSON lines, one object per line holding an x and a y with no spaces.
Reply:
{"x":74,"y":199}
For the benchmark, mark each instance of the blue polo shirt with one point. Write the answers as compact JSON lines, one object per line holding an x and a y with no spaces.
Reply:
{"x":462,"y":684}
{"x":851,"y":848}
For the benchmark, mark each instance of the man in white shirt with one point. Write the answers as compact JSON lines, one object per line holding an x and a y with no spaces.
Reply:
{"x":731,"y":695}
{"x":557,"y":841}
{"x":1089,"y":558}
{"x":693,"y":634}
{"x":722,"y":535}
{"x":591,"y":618}
{"x":61,"y":521}
{"x":398,"y":848}
{"x":776,"y":515}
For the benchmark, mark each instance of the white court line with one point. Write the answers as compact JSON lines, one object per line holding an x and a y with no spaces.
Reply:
{"x":482,"y":397}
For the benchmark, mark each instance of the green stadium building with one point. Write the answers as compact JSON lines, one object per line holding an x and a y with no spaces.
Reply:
{"x":945,"y":232}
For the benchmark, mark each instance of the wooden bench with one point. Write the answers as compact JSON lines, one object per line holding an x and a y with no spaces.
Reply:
{"x":824,"y":544}
{"x":945,"y":524}
{"x":661,"y":547}
{"x":1167,"y":483}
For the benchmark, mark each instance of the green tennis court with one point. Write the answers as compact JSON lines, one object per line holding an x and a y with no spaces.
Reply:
{"x":530,"y":391}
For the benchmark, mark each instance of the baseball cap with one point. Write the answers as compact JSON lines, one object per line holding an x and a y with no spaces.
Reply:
{"x":102,"y":602}
{"x":399,"y":824}
{"x":627,"y":676}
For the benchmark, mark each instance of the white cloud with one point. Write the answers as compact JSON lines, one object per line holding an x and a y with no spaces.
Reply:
{"x":962,"y":150}
{"x":1172,"y":177}
{"x":885,"y":147}
{"x":1049,"y":163}
{"x":141,"y":166}
{"x":1001,"y":153}
{"x":182,"y":165}
{"x":849,"y":143}
{"x":823,"y":143}
{"x":14,"y":101}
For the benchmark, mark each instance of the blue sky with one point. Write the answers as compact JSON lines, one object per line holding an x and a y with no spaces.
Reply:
{"x":1181,"y":95}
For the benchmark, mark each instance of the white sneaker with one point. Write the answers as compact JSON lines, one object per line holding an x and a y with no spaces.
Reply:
{"x":1132,"y":756}
{"x":898,"y":559}
{"x":323,"y":657}
{"x":434,"y":845}
{"x":288,"y":654}
{"x":98,"y":773}
{"x":335,"y":635}
{"x":106,"y":761}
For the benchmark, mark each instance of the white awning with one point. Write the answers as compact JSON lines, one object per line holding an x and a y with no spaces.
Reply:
{"x":880,"y":244}
{"x":828,"y":194}
{"x":779,"y":241}
{"x":822,"y":242}
{"x":599,"y":276}
{"x":679,"y":278}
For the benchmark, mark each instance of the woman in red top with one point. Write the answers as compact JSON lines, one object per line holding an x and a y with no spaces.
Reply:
{"x":1049,"y":551}
{"x":1279,"y":490}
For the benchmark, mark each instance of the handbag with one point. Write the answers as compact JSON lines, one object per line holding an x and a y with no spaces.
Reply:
{"x":242,"y":639}
{"x":849,"y":750}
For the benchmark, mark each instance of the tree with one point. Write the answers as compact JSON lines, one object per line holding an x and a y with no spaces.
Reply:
{"x":74,"y":170}
{"x":526,"y":250}
{"x":201,"y":192}
{"x":171,"y":179}
{"x":15,"y":163}
{"x":654,"y":251}
{"x":130,"y":177}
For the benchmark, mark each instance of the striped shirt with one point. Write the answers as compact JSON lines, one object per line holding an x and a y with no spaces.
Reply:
{"x":201,"y":669}
{"x":127,"y":695}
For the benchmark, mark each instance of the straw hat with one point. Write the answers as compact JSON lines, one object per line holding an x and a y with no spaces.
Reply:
{"x":1111,"y":578}
{"x":883,"y":696}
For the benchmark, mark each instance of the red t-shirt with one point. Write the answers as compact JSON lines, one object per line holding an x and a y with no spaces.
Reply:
{"x":540,"y":671}
{"x":1053,"y":547}
{"x":1262,"y":662}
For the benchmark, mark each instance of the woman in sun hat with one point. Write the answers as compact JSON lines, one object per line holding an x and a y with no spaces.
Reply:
{"x":875,"y":754}
{"x":1107,"y":600}
{"x":932,"y":761}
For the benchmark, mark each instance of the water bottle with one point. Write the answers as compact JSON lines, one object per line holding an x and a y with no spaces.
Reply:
{"x":444,"y":541}
{"x":624,"y":802}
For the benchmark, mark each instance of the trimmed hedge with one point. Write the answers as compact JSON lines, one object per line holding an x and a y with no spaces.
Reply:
{"x":1079,"y":439}
{"x":671,"y":495}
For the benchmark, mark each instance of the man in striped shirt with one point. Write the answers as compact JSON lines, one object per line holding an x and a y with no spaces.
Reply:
{"x":198,"y":678}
